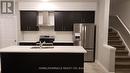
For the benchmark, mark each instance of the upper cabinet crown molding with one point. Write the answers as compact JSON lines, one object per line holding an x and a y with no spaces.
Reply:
{"x":58,"y":6}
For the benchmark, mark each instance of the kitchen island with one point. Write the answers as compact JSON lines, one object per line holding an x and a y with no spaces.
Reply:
{"x":57,"y":59}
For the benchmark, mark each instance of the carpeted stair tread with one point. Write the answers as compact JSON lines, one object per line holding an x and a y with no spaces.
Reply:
{"x":128,"y":57}
{"x":122,"y":58}
{"x":115,"y":42}
{"x":122,"y":63}
{"x":112,"y":34}
{"x":122,"y":51}
{"x":122,"y":71}
{"x":118,"y":46}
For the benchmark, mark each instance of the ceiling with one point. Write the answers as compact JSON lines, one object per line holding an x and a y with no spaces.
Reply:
{"x":58,"y":0}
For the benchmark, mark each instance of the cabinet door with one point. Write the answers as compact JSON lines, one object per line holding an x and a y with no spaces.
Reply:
{"x":83,"y":16}
{"x":87,"y":16}
{"x":58,"y":21}
{"x":67,"y":23}
{"x":63,"y":21}
{"x":76,"y":17}
{"x":29,"y":20}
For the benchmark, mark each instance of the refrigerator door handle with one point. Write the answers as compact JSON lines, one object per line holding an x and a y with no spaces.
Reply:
{"x":85,"y":36}
{"x":82,"y":33}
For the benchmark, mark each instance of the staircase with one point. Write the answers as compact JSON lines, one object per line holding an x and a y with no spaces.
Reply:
{"x":122,"y":59}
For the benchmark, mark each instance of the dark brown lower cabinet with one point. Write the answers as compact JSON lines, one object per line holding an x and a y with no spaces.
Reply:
{"x":42,"y":62}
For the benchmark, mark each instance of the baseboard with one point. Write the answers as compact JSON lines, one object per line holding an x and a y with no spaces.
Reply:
{"x":106,"y":71}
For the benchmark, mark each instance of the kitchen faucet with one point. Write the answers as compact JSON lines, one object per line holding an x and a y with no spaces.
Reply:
{"x":41,"y":44}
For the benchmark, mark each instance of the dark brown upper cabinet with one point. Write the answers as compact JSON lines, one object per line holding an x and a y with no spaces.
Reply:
{"x":64,"y":20}
{"x":59,"y":21}
{"x":29,"y":20}
{"x":83,"y":16}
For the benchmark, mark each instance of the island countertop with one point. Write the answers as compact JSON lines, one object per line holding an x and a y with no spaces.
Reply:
{"x":56,"y":49}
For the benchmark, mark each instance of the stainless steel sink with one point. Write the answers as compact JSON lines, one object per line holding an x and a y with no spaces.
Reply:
{"x":44,"y":47}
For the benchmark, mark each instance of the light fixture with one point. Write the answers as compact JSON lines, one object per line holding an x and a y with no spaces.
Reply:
{"x":45,"y":0}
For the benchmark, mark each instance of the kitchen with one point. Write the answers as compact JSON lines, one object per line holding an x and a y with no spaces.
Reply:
{"x":30,"y":34}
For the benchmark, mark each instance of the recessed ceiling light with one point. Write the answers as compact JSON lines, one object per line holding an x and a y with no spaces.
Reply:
{"x":45,"y":0}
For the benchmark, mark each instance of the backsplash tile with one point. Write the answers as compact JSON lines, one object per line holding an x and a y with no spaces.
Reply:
{"x":59,"y":35}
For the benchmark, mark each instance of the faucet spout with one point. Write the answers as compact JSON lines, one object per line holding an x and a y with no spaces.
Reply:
{"x":41,"y":44}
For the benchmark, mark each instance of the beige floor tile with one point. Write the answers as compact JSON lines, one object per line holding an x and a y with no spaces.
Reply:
{"x":92,"y":68}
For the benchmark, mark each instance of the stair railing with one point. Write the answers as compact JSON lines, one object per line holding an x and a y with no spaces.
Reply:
{"x":116,"y":23}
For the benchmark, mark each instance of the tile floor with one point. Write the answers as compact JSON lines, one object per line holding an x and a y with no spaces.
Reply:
{"x":93,"y":68}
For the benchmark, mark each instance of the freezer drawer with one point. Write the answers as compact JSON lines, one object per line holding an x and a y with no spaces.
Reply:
{"x":89,"y":56}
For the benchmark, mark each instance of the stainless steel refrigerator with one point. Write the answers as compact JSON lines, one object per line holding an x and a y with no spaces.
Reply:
{"x":83,"y":35}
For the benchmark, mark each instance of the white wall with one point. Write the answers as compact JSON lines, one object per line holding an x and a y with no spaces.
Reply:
{"x":57,"y":6}
{"x":113,"y":9}
{"x":122,"y":9}
{"x":102,"y":20}
{"x":8,"y":29}
{"x":108,"y":63}
{"x":0,"y":33}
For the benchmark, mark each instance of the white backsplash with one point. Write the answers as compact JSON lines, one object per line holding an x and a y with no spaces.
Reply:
{"x":8,"y":30}
{"x":59,"y":35}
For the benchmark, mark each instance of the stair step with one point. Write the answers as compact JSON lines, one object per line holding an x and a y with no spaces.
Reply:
{"x":122,"y":52}
{"x":122,"y":59}
{"x":115,"y":42}
{"x":119,"y":46}
{"x":112,"y":34}
{"x":122,"y":65}
{"x":111,"y":30}
{"x":120,"y":49}
{"x":122,"y":71}
{"x":109,"y":35}
{"x":113,"y":38}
